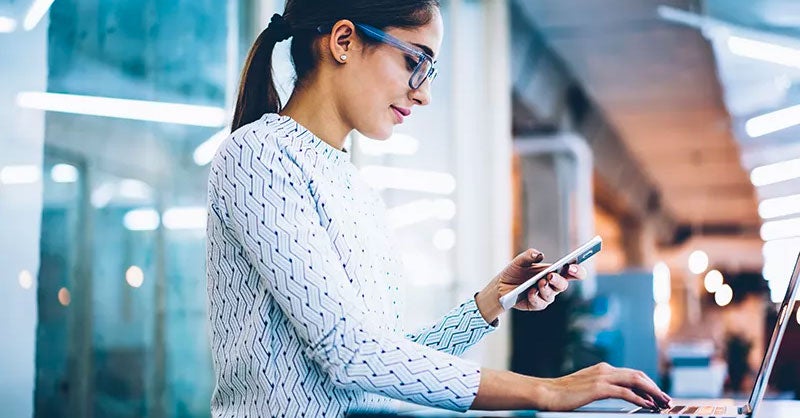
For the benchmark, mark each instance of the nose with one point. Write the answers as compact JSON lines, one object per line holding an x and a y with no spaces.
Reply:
{"x":422,"y":95}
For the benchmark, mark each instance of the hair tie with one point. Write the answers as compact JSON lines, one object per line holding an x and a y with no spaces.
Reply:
{"x":278,"y":28}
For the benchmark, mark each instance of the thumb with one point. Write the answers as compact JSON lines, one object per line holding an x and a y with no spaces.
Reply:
{"x":529,"y":257}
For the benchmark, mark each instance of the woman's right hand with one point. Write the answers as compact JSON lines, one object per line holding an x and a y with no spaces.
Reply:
{"x":601,"y":381}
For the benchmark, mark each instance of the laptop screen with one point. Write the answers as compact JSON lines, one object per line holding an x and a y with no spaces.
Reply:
{"x":784,"y":315}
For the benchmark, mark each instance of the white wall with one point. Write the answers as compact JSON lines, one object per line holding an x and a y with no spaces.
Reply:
{"x":481,"y":125}
{"x":23,"y":67}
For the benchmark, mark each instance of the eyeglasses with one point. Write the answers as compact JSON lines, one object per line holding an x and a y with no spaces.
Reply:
{"x":421,"y":65}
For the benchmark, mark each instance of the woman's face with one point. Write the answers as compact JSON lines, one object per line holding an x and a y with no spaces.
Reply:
{"x":378,"y":95}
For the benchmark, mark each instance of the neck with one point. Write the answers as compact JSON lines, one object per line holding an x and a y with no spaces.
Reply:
{"x":312,"y":108}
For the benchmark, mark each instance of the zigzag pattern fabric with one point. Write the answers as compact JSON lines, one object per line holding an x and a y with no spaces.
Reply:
{"x":304,"y":286}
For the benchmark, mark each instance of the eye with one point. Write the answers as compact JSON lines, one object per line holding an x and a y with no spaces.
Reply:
{"x":410,"y":63}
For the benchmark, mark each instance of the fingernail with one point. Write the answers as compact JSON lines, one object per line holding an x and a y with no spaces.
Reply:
{"x":573,"y":269}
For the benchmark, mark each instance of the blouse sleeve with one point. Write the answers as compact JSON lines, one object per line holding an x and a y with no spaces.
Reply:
{"x":458,"y":330}
{"x":263,"y":199}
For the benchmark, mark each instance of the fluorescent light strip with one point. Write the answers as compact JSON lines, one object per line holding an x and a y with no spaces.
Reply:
{"x":141,"y":220}
{"x":35,"y":14}
{"x":185,"y":218}
{"x":786,"y":228}
{"x":205,"y":152}
{"x":662,"y":289}
{"x":406,"y":179}
{"x":779,"y":206}
{"x":102,"y":195}
{"x":20,"y":174}
{"x":764,"y":51}
{"x":122,"y":108}
{"x":64,"y":173}
{"x":779,"y":258}
{"x":662,"y":315}
{"x":7,"y":24}
{"x":419,"y":211}
{"x":775,"y":173}
{"x":773,"y":122}
{"x":397,"y":144}
{"x":134,"y":189}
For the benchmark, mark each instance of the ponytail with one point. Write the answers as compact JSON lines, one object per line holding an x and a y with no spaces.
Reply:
{"x":257,"y":92}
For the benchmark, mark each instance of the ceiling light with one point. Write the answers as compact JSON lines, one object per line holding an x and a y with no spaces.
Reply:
{"x":724,"y":295}
{"x":134,"y":276}
{"x":407,"y":179}
{"x":205,"y":152}
{"x":764,"y":51}
{"x":698,"y":262}
{"x":775,"y":173}
{"x":36,"y":12}
{"x":64,"y":173}
{"x":713,"y":281}
{"x":122,"y":108}
{"x":397,"y":144}
{"x":662,"y":288}
{"x":773,"y":121}
{"x":779,"y":206}
{"x":20,"y":174}
{"x":785,"y":228}
{"x":141,"y":220}
{"x":185,"y":218}
{"x":7,"y":24}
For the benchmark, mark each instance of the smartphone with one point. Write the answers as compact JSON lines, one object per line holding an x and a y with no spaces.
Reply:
{"x":581,"y":254}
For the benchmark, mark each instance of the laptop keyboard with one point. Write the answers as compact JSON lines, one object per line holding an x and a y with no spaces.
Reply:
{"x":688,"y":410}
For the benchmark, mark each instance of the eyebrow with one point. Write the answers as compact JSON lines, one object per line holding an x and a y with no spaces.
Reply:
{"x":424,"y":49}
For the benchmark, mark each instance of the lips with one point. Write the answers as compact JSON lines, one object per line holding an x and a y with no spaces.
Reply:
{"x":402,"y":110}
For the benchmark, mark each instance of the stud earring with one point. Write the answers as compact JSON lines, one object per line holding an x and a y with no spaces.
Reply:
{"x":343,"y":57}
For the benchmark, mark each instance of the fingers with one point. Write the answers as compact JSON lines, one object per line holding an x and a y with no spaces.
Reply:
{"x":575,"y":272}
{"x":545,"y":294}
{"x":558,"y":283}
{"x":548,"y":289}
{"x":545,"y":291}
{"x":639,"y":382}
{"x":629,"y":395}
{"x":603,"y":381}
{"x":631,"y":385}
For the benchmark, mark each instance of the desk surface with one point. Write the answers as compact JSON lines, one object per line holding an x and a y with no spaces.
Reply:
{"x":768,"y":409}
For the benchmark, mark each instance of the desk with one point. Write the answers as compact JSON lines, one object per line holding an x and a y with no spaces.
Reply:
{"x":768,"y":409}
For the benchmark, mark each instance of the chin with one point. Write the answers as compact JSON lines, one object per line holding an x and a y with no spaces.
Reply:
{"x":380,"y":133}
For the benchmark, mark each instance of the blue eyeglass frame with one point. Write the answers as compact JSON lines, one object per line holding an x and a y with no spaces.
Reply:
{"x":409,"y":49}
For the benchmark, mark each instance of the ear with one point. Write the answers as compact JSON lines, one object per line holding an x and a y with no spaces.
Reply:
{"x":343,"y":40}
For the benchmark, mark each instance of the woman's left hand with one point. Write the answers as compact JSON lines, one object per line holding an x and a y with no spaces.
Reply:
{"x":540,"y":296}
{"x":524,"y":266}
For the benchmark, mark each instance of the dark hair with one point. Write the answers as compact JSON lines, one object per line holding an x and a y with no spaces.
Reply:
{"x":301,"y":18}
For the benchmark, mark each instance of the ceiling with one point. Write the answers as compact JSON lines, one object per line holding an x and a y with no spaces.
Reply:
{"x":656,"y":83}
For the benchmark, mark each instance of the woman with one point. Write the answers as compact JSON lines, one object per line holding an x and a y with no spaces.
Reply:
{"x":303,"y":281}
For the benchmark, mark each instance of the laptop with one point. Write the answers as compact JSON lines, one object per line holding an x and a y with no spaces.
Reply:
{"x":711,"y":408}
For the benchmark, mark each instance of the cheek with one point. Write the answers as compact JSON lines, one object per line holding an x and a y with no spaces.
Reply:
{"x":388,"y":78}
{"x":378,"y":84}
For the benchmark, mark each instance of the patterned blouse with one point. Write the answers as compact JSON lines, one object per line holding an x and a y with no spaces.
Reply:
{"x":303,"y":289}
